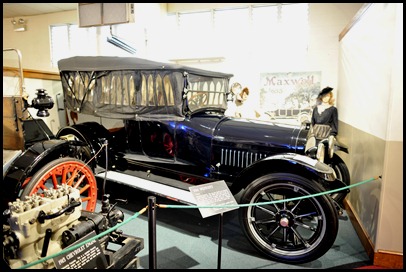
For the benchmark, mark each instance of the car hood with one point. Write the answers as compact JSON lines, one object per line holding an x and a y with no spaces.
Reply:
{"x":258,"y":134}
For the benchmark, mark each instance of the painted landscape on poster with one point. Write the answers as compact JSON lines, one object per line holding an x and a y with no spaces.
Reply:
{"x":289,"y":94}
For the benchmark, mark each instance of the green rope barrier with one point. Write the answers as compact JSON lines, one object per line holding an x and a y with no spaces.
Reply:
{"x":271,"y":202}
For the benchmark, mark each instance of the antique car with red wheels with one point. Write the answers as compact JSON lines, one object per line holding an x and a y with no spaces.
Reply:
{"x":174,"y":133}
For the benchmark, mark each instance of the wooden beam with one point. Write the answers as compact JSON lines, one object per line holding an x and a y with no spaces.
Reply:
{"x":30,"y":73}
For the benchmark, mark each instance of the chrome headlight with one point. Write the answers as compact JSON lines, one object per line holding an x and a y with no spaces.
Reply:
{"x":320,"y":152}
{"x":331,"y":141}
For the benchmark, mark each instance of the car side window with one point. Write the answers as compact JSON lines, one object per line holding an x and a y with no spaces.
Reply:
{"x":168,"y":90}
{"x":156,"y":91}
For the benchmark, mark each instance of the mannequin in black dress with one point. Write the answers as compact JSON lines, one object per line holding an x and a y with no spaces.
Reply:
{"x":325,"y":115}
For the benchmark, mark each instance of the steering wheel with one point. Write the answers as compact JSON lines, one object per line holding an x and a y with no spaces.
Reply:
{"x":198,"y":99}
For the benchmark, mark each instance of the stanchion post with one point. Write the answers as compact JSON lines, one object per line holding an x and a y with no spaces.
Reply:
{"x":152,"y":231}
{"x":220,"y":240}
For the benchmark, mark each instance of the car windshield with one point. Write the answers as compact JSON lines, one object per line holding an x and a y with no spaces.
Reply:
{"x":132,"y":88}
{"x":206,"y":92}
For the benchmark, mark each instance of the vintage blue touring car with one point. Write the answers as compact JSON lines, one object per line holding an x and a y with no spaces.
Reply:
{"x":174,"y":133}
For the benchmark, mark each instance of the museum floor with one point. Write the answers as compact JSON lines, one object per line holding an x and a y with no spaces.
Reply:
{"x":185,"y":240}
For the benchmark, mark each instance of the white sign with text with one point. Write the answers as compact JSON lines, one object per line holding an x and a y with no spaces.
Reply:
{"x":213,"y":194}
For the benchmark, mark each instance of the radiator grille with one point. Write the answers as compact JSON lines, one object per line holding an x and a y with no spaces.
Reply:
{"x":239,"y":158}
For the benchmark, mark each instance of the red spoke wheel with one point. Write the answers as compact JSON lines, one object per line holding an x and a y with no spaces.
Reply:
{"x":68,"y":171}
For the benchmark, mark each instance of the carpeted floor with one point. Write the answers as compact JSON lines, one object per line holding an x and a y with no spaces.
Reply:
{"x":185,"y":240}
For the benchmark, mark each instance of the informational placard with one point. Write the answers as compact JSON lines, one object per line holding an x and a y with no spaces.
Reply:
{"x":213,"y":194}
{"x":87,"y":256}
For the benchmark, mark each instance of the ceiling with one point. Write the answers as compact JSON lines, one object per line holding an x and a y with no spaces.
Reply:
{"x":14,"y":10}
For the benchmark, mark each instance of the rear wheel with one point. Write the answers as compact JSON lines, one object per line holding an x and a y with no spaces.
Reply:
{"x":293,"y":232}
{"x":66,"y":170}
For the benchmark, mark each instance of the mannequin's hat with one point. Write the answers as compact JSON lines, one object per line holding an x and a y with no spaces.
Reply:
{"x":325,"y":91}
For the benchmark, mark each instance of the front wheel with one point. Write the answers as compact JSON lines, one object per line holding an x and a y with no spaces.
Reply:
{"x":343,"y":174}
{"x":66,"y":170}
{"x":293,"y":232}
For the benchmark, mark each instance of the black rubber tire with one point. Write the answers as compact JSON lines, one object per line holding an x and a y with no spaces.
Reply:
{"x":276,"y":229}
{"x":343,"y":174}
{"x":59,"y":171}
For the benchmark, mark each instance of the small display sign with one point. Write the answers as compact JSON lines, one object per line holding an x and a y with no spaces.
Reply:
{"x":213,"y":194}
{"x":87,"y":256}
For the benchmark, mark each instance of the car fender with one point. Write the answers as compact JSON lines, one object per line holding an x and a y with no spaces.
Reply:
{"x":91,"y":133}
{"x":289,"y":163}
{"x":30,"y":161}
{"x":338,"y":146}
{"x":95,"y":136}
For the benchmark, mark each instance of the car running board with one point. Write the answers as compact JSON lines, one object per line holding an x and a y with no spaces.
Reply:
{"x":176,"y":194}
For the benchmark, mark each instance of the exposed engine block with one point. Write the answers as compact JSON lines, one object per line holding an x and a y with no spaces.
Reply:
{"x":43,"y":225}
{"x":31,"y":219}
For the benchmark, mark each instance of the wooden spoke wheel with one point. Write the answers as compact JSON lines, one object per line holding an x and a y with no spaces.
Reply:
{"x":68,"y":171}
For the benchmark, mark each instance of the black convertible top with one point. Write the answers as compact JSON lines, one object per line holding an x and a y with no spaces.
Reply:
{"x":103,"y":63}
{"x":136,"y":88}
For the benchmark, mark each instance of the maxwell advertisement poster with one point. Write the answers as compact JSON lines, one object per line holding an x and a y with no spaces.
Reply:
{"x":290,"y":94}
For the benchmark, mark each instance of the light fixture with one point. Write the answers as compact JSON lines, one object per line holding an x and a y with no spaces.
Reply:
{"x":20,"y":25}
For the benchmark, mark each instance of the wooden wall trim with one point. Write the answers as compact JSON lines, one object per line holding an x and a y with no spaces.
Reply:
{"x":388,"y":259}
{"x":354,"y":20}
{"x":359,"y":229}
{"x":381,"y":257}
{"x":30,"y":73}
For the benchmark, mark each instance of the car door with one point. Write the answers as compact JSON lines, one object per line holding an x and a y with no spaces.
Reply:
{"x":157,"y":140}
